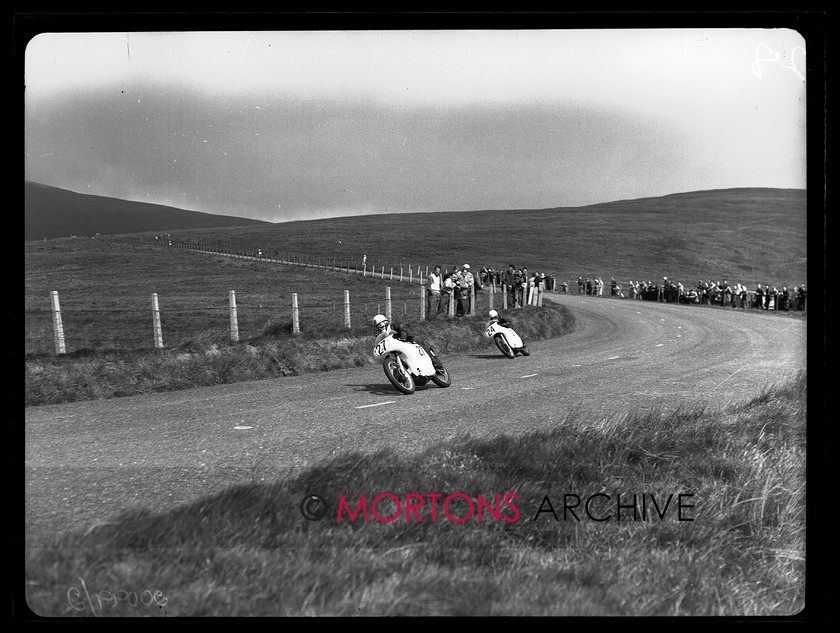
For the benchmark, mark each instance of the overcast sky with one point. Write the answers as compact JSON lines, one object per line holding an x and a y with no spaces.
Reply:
{"x":297,"y":125}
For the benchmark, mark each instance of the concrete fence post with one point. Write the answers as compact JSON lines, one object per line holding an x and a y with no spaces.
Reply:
{"x":422,"y":302}
{"x":234,"y":320}
{"x":388,"y":302}
{"x":347,"y":309}
{"x":156,"y":327}
{"x":295,"y":314}
{"x":58,"y":328}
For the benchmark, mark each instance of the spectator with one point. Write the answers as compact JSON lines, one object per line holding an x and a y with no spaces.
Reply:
{"x":772,"y":295}
{"x":800,"y":295}
{"x":448,"y":290}
{"x":759,"y":297}
{"x":580,"y":285}
{"x":468,"y":285}
{"x":462,"y":289}
{"x":564,"y":287}
{"x":784,"y":299}
{"x":433,"y":301}
{"x":509,"y":284}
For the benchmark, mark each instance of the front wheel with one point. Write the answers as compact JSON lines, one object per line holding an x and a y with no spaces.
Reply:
{"x":524,"y":350}
{"x":398,"y":377}
{"x":503,"y":346}
{"x":442,"y":378}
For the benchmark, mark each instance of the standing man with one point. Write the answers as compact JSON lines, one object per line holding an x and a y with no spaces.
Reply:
{"x":508,"y":281}
{"x":467,"y":285}
{"x":433,"y":297}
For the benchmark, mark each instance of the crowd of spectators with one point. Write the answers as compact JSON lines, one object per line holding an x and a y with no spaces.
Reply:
{"x":720,"y":293}
{"x":456,"y":281}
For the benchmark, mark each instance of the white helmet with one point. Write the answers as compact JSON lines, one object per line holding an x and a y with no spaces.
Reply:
{"x":494,"y":314}
{"x":380,"y":320}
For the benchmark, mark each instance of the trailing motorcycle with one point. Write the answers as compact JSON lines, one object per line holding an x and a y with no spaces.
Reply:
{"x":506,"y":340}
{"x":407,"y":365}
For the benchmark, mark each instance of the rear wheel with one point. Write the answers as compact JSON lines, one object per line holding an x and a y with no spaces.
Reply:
{"x":503,"y":346}
{"x":397,"y":376}
{"x":441,"y":378}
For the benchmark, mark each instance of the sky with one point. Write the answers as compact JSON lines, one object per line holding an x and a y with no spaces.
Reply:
{"x":295,"y":125}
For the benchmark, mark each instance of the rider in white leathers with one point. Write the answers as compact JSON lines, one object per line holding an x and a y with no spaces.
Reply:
{"x":401,"y":332}
{"x":495,"y":318}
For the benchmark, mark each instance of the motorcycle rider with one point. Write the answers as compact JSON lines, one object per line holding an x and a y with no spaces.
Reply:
{"x":495,"y":318}
{"x":401,"y":332}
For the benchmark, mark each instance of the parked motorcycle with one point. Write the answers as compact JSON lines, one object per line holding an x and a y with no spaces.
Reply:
{"x":506,"y":340}
{"x":407,"y":365}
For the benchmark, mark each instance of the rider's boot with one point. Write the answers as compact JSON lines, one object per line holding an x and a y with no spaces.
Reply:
{"x":435,"y":360}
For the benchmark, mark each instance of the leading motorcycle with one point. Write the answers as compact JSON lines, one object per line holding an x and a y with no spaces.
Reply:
{"x":407,"y":365}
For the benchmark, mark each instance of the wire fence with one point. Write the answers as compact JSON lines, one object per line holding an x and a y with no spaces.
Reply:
{"x":60,"y":330}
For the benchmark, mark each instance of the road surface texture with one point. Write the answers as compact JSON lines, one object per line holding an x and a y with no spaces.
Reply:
{"x":87,"y":462}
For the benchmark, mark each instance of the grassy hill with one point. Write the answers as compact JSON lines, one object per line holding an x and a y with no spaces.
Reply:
{"x":747,"y":235}
{"x":52,"y":212}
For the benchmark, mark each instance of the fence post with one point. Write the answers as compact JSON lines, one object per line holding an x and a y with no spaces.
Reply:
{"x":471,"y":310}
{"x":539,"y":296}
{"x":347,"y":309}
{"x":504,"y":296}
{"x":392,"y":273}
{"x":364,"y":270}
{"x":295,"y":315}
{"x":234,"y":321}
{"x":383,"y":273}
{"x":388,"y":302}
{"x":401,"y":271}
{"x":156,"y":322}
{"x":422,"y":302}
{"x":451,"y":307}
{"x":410,"y":275}
{"x":58,"y":328}
{"x":492,"y":292}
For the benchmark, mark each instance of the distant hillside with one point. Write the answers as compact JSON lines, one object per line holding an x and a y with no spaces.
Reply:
{"x":749,"y":234}
{"x":51,"y":212}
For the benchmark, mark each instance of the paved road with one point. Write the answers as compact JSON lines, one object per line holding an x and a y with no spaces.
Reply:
{"x":85,"y":462}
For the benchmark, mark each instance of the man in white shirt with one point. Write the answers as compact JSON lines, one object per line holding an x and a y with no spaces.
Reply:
{"x":433,"y":297}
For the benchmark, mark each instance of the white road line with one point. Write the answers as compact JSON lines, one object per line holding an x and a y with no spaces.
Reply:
{"x":243,"y":428}
{"x":613,"y":357}
{"x":378,"y":404}
{"x":660,"y":344}
{"x":530,"y":375}
{"x":467,"y":387}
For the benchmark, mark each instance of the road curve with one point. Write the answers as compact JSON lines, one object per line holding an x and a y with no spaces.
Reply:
{"x":88,"y":461}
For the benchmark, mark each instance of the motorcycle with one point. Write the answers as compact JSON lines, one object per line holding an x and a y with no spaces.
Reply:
{"x":407,"y":365}
{"x":506,"y":340}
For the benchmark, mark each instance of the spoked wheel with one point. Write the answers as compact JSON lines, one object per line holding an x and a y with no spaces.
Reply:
{"x":398,"y":377}
{"x":442,"y":378}
{"x":524,"y":350}
{"x":503,"y":346}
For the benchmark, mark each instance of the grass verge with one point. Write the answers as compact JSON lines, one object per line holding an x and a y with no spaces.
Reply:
{"x":737,"y":549}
